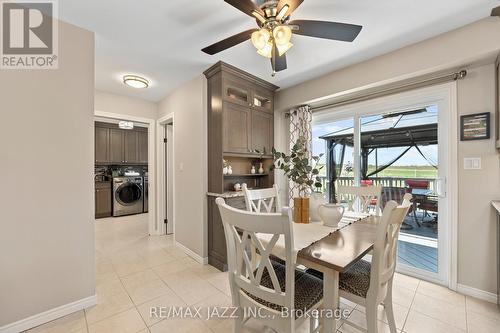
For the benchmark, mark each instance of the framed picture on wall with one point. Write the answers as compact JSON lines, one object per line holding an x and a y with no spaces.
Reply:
{"x":475,"y":126}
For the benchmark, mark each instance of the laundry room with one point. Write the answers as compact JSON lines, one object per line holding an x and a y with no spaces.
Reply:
{"x":121,"y":169}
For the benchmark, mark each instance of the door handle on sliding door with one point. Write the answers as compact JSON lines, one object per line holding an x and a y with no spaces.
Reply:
{"x":441,"y":187}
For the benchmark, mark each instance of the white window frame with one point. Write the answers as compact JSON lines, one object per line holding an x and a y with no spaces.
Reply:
{"x":445,"y":97}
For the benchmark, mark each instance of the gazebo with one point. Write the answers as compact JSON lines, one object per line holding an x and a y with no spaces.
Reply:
{"x":403,"y":129}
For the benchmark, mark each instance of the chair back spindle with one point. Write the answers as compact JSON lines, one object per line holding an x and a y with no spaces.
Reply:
{"x":262,"y":200}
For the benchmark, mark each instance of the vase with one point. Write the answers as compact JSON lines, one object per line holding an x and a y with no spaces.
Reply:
{"x":301,"y":210}
{"x":261,"y":169}
{"x":316,"y":200}
{"x":252,"y":171}
{"x":229,"y":170}
{"x":331,"y":214}
{"x":224,"y":171}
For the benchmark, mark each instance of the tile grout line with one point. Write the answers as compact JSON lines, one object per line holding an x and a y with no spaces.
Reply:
{"x":86,"y":322}
{"x":409,"y":308}
{"x":135,"y":305}
{"x":466,"y":316}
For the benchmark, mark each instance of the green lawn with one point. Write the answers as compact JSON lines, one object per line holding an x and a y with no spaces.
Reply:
{"x":409,"y":172}
{"x":399,"y":172}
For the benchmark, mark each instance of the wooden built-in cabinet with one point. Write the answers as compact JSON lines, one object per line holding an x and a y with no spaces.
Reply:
{"x":241,"y":132}
{"x":217,"y":251}
{"x":117,"y":146}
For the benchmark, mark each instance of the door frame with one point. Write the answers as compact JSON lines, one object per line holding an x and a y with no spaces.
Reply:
{"x":445,"y":97}
{"x":161,"y":181}
{"x":152,"y":221}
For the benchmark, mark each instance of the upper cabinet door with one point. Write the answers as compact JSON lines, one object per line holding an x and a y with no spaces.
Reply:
{"x":131,"y":146}
{"x":262,"y":132}
{"x":143,"y":147}
{"x":262,"y":100}
{"x":236,"y":128}
{"x":236,"y":92}
{"x":116,"y":146}
{"x":101,"y":145}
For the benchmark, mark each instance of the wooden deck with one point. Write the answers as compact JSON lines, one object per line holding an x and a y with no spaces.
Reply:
{"x":418,"y":256}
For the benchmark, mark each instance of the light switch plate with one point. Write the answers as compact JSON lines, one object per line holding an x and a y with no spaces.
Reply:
{"x":472,"y":163}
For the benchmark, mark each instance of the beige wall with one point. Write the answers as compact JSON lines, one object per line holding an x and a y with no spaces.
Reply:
{"x":477,"y":188}
{"x":189,"y":104}
{"x":107,"y":102}
{"x":465,"y":45}
{"x":470,"y":44}
{"x":47,"y":200}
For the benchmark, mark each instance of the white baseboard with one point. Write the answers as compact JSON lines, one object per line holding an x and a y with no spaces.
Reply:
{"x":192,"y":254}
{"x":45,"y":317}
{"x":477,"y":293}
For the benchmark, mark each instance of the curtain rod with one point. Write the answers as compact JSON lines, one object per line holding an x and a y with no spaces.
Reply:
{"x":367,"y":95}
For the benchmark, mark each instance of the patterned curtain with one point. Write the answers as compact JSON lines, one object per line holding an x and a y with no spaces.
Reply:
{"x":300,"y":126}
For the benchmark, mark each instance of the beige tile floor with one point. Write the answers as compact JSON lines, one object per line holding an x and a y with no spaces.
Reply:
{"x":135,"y":272}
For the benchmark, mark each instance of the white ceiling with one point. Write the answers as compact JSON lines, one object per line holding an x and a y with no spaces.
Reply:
{"x":162,"y":39}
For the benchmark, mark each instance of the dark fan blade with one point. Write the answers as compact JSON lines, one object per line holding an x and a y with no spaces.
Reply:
{"x":246,"y":6}
{"x":329,"y":30}
{"x":228,"y":42}
{"x":292,"y":4}
{"x":278,"y":63}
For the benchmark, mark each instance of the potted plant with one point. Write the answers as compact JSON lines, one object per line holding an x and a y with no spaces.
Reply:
{"x":303,"y":170}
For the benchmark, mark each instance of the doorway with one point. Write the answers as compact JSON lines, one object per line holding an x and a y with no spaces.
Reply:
{"x":139,"y":163}
{"x":403,"y":143}
{"x":166,"y":179}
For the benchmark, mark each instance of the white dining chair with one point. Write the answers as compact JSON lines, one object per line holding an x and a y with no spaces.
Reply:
{"x":262,"y":200}
{"x":271,"y":287}
{"x":370,"y":284}
{"x":361,"y":198}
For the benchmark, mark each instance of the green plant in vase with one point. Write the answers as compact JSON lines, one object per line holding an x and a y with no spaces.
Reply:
{"x":303,"y":170}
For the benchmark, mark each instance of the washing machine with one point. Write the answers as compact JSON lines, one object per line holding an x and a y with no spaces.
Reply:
{"x":128,"y":195}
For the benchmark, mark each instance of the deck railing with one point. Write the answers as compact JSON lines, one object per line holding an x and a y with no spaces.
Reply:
{"x":380,"y":181}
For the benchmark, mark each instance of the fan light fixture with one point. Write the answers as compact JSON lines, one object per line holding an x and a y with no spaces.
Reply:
{"x":264,"y":44}
{"x":274,"y":30}
{"x":126,"y":125}
{"x":260,"y":38}
{"x":135,"y":81}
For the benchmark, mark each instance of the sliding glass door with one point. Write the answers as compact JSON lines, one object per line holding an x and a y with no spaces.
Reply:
{"x":403,"y":149}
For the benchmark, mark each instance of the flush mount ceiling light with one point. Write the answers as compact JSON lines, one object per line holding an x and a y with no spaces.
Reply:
{"x":272,"y":38}
{"x":126,"y":125}
{"x":135,"y":81}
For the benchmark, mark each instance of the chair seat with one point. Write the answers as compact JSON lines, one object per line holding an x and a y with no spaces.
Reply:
{"x":356,"y":280}
{"x":308,"y":288}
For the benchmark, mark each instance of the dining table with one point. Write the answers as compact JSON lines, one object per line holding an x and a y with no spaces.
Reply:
{"x":330,"y":250}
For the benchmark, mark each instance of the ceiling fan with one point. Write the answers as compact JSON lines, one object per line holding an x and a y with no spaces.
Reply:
{"x":273,"y":37}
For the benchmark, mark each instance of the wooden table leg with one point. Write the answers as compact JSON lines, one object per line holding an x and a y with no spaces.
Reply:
{"x":330,"y":300}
